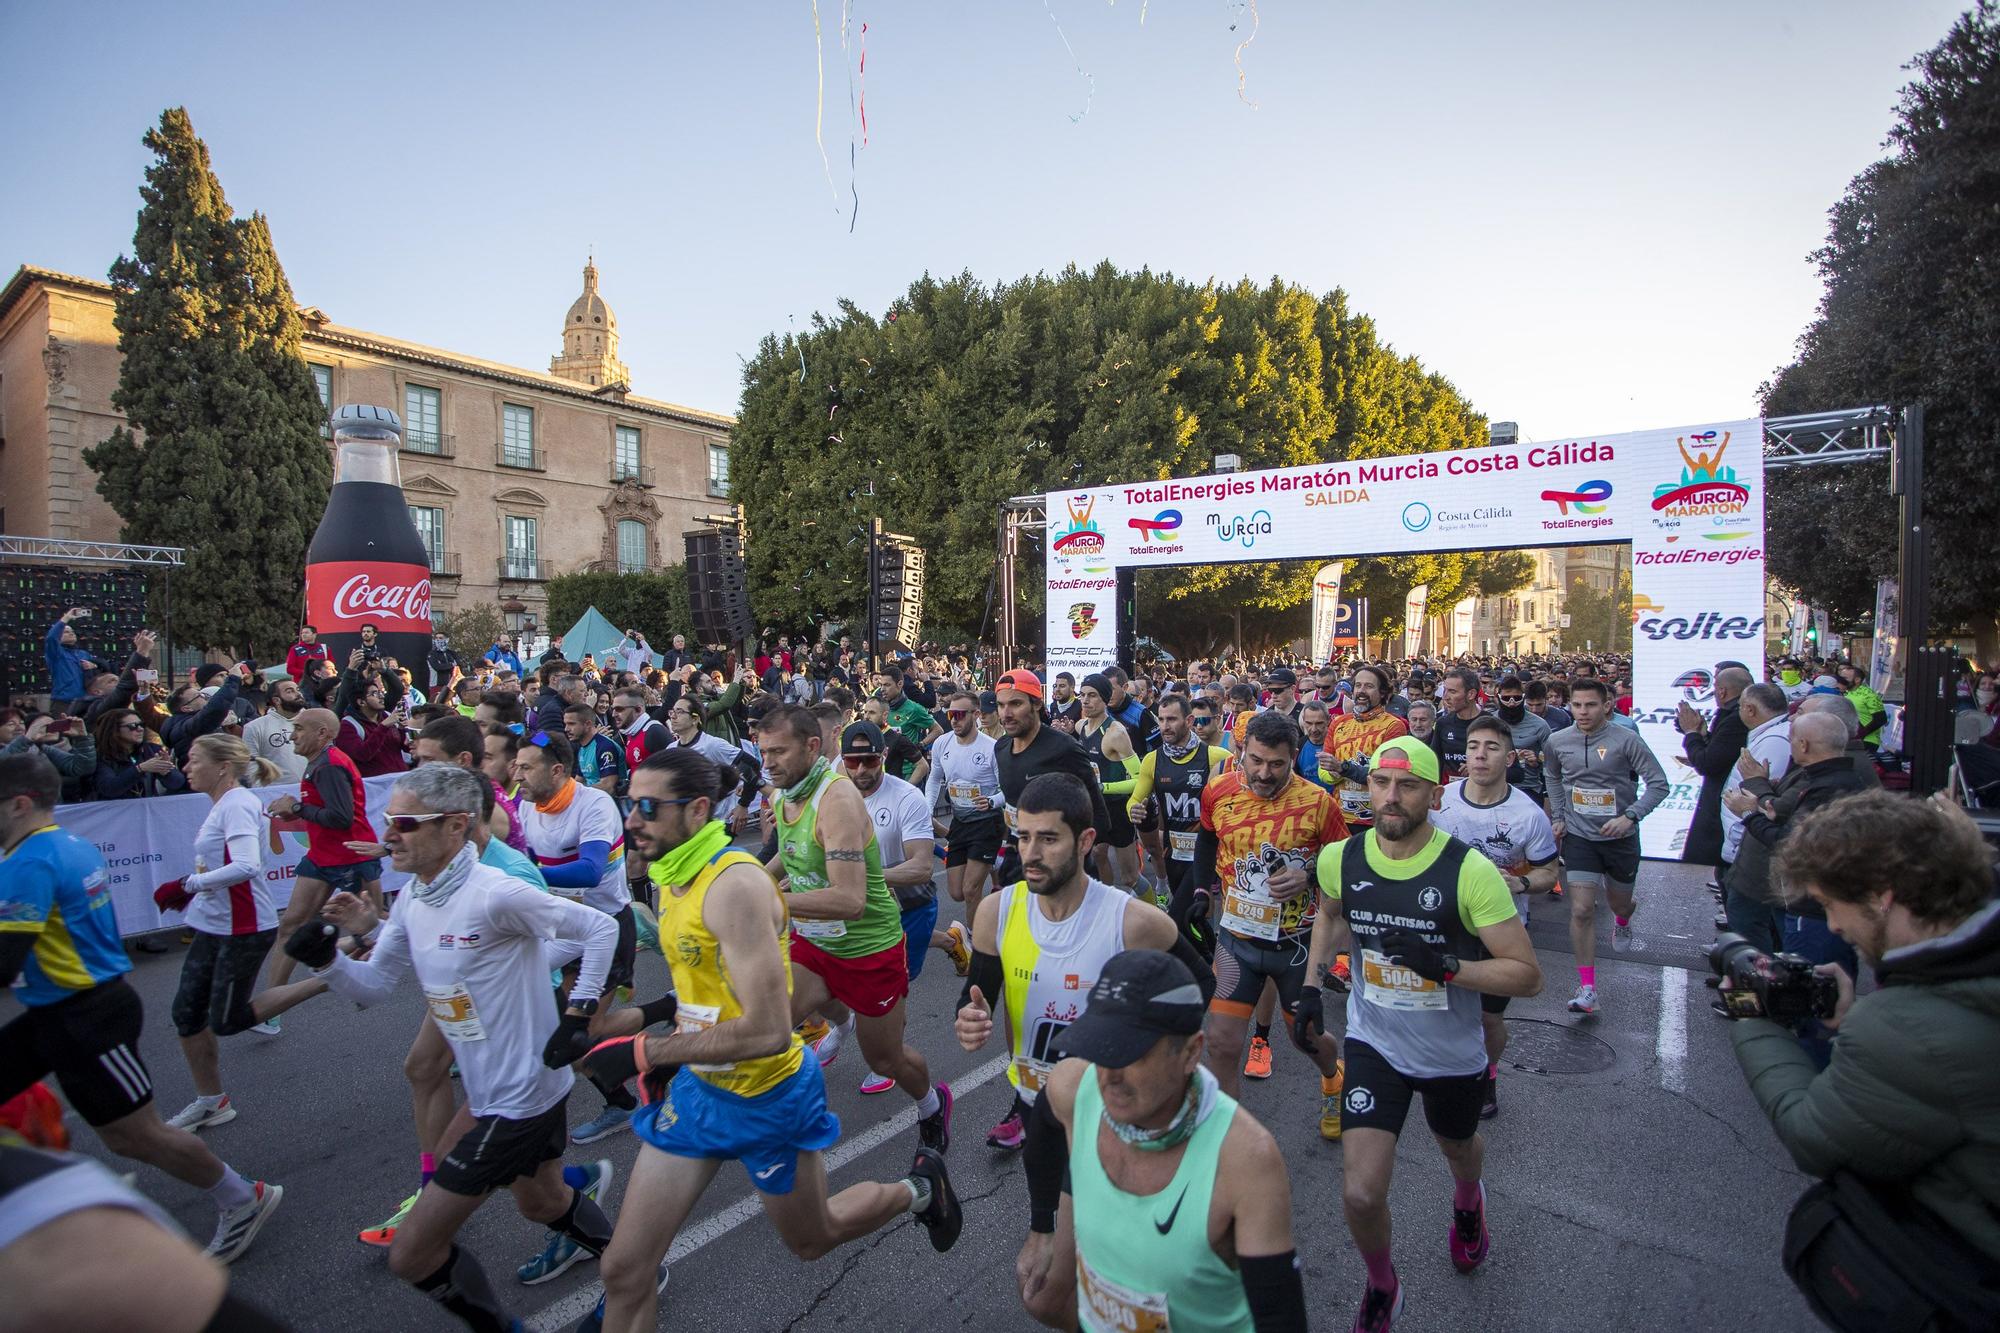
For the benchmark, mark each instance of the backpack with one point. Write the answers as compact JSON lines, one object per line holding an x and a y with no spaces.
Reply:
{"x":1874,"y":1260}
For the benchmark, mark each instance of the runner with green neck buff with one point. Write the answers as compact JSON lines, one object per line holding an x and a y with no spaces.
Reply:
{"x":847,"y":933}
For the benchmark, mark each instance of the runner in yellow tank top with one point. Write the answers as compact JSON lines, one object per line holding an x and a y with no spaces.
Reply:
{"x":729,"y":1082}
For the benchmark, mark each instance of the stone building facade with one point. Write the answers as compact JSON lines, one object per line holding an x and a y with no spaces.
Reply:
{"x":512,"y":475}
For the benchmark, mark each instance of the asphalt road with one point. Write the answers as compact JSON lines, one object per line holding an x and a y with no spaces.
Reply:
{"x":1631,"y":1181}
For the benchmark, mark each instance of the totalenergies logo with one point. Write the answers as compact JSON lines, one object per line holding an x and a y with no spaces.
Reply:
{"x":1588,"y":498}
{"x":1706,"y":489}
{"x":1157,"y":528}
{"x":1082,"y":537}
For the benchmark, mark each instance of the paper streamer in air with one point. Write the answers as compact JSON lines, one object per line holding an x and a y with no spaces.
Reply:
{"x":864,"y":85}
{"x":819,"y":107}
{"x":1255,"y":23}
{"x":1090,"y":80}
{"x":854,"y":212}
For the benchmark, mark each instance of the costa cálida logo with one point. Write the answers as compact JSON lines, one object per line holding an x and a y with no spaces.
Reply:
{"x":394,"y":598}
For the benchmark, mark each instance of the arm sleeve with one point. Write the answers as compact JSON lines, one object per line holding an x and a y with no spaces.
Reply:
{"x":582,"y":873}
{"x":1206,"y":848}
{"x":1044,"y":1159}
{"x":1190,"y":956}
{"x":1653,"y":776}
{"x":336,"y":810}
{"x":566,"y":923}
{"x":1274,"y":1285}
{"x":1123,"y":786}
{"x":986,"y":974}
{"x":1142,"y":781}
{"x":375,"y":980}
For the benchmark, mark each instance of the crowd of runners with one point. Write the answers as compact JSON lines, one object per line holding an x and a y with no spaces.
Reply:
{"x":1142,"y":881}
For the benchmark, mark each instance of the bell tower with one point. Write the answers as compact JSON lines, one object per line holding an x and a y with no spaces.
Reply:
{"x":589,"y":352}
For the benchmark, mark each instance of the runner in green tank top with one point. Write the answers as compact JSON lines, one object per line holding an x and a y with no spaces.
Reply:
{"x":1179,"y":1202}
{"x":847,"y":935}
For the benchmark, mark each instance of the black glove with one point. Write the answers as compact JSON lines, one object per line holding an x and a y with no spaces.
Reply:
{"x":612,"y":1064}
{"x":1308,"y":1020}
{"x":313,"y":944}
{"x":1198,"y":906}
{"x":1356,"y":771}
{"x":1406,"y":948}
{"x":569,"y":1043}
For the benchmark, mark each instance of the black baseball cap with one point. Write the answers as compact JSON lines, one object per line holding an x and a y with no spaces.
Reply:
{"x":862,"y":737}
{"x":989,"y":702}
{"x":1283,"y":676}
{"x":1141,"y":996}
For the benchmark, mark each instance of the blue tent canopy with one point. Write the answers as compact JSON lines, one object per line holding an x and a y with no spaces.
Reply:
{"x":595,"y":635}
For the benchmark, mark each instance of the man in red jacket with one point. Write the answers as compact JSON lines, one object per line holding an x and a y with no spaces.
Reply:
{"x":371,"y":728}
{"x":304,"y":653}
{"x":333,"y":805}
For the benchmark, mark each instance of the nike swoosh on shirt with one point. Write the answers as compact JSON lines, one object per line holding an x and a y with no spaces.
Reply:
{"x":1164,"y":1227}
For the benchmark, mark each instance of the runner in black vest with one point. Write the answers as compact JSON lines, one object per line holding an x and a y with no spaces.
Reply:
{"x":1173,"y":776}
{"x":1029,"y":750}
{"x":1432,"y":928}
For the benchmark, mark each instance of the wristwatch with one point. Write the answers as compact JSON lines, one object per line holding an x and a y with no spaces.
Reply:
{"x":1450,"y":967}
{"x":588,"y":1008}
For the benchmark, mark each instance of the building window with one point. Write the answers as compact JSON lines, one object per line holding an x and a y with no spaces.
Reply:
{"x":323,"y":381}
{"x":517,"y":435}
{"x":420,"y":419}
{"x":718,"y":470}
{"x":430,"y":527}
{"x":631,"y":546}
{"x":624,"y":453}
{"x":521,"y":559}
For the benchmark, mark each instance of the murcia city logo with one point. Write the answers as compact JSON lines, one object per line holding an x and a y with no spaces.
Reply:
{"x":1082,"y":619}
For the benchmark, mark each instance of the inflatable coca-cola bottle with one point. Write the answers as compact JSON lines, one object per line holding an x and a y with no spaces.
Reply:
{"x":367,"y":565}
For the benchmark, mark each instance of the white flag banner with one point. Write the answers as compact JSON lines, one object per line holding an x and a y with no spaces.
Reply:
{"x":1888,"y":616}
{"x":1413,"y":618}
{"x":1325,"y":610}
{"x":1461,"y":627}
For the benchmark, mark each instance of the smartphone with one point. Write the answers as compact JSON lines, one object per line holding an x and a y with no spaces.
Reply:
{"x":66,"y":724}
{"x":145,"y":675}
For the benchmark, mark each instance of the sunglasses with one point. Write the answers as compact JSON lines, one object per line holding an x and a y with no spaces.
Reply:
{"x":1202,"y":719}
{"x":650,"y":807}
{"x":956,"y":713}
{"x":1510,"y":698}
{"x":410,"y":823}
{"x":862,"y":760}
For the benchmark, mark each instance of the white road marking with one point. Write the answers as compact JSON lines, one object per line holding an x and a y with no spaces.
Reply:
{"x":1672,"y":1041}
{"x":710,"y":1229}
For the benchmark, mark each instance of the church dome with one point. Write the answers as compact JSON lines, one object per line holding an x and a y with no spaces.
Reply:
{"x":589,"y":312}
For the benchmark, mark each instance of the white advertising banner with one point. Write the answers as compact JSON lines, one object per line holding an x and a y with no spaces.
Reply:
{"x":1461,"y":627}
{"x":1325,"y":611}
{"x":149,"y":841}
{"x":1689,"y":499}
{"x":1413,"y":619}
{"x":1882,"y":660}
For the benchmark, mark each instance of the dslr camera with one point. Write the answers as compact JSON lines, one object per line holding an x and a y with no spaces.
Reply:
{"x":1781,"y":987}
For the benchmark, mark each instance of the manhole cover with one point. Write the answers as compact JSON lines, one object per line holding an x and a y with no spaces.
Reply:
{"x":1538,"y":1046}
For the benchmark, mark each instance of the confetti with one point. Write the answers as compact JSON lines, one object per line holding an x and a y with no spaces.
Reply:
{"x":1090,"y":80}
{"x":819,"y":107}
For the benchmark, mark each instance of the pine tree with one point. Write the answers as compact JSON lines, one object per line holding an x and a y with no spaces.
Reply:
{"x":221,"y":453}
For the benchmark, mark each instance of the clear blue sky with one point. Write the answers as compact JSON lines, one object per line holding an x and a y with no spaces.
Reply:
{"x":1592,"y":217}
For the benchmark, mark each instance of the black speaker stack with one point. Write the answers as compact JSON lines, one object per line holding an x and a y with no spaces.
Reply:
{"x":718,"y":587}
{"x":33,"y":597}
{"x":899,"y":592}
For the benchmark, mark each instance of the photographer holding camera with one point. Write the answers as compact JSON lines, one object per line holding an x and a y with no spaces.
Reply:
{"x":1903,"y":1128}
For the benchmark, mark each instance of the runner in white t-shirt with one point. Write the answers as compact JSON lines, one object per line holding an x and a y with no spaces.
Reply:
{"x":965,"y":768}
{"x":577,"y":836}
{"x":1510,"y":828}
{"x":474,"y":936}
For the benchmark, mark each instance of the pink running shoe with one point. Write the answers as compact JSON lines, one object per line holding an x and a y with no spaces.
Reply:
{"x":1379,"y":1309}
{"x":1469,"y":1241}
{"x":875,"y":1083}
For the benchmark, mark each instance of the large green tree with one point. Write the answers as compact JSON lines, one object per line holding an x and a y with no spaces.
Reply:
{"x":221,"y":452}
{"x":964,"y":395}
{"x":1911,"y":314}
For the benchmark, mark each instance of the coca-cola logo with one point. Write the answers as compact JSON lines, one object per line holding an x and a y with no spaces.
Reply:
{"x":362,"y":596}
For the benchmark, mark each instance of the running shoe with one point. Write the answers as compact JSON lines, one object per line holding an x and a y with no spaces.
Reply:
{"x":959,"y":947}
{"x":934,"y":1130}
{"x":1623,"y":941}
{"x":561,"y":1253}
{"x":1469,"y":1241}
{"x":1556,"y":890}
{"x":1257,"y":1064}
{"x":594,"y":1321}
{"x":268,"y":1028}
{"x":200,"y":1114}
{"x":823,"y":1039}
{"x":1379,"y":1309}
{"x":235,"y":1229}
{"x":1009,"y":1134}
{"x":608,"y":1122}
{"x":1584,"y":1001}
{"x":383,"y":1234}
{"x":943,"y":1217}
{"x":875,"y":1083}
{"x":1329,"y":1104}
{"x":1342,"y":978}
{"x":1489,"y":1101}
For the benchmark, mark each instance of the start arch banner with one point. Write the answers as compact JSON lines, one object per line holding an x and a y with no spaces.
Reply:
{"x":1690,"y":500}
